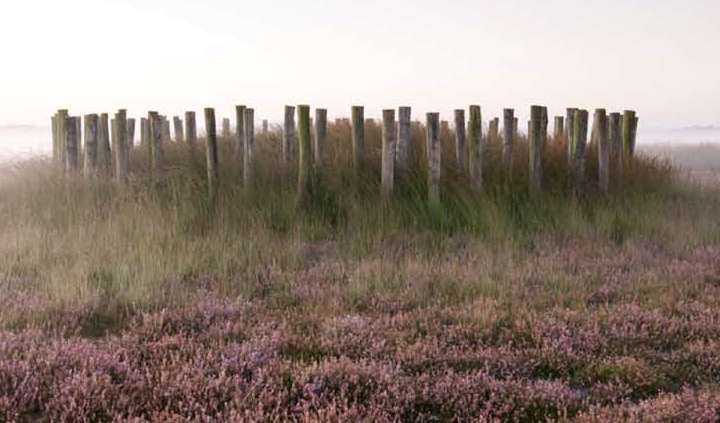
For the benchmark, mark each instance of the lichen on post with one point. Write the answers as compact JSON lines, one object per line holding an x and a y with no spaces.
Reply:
{"x":239,"y":134}
{"x":509,"y":141}
{"x":403,"y":140}
{"x":433,"y":146}
{"x":71,"y":145}
{"x":91,"y":146}
{"x":388,"y":151}
{"x":190,"y":128}
{"x":535,"y":146}
{"x":249,"y":156}
{"x":628,"y":123}
{"x":120,"y":145}
{"x":288,"y":134}
{"x":580,"y":134}
{"x":460,"y":140}
{"x":476,"y":146}
{"x":320,"y":135}
{"x":304,"y":152}
{"x":358,"y":135}
{"x":603,"y":142}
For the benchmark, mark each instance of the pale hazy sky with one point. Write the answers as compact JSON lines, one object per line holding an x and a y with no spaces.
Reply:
{"x":660,"y":57}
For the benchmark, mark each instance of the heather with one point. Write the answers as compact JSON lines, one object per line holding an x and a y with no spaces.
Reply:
{"x":150,"y":303}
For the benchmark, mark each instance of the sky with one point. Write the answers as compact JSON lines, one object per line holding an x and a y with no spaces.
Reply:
{"x":658,"y":57}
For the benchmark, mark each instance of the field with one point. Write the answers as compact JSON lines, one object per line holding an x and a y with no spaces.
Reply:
{"x":147,"y":303}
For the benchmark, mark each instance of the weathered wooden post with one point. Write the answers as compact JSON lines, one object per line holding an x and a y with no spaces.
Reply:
{"x":144,"y":133}
{"x":104,"y":153}
{"x":403,"y":140}
{"x":507,"y":152}
{"x":633,"y":136}
{"x":603,"y":149}
{"x":580,"y":134}
{"x":213,"y":172}
{"x":628,"y":121}
{"x":166,"y":129}
{"x":433,"y":148}
{"x":120,"y":146}
{"x":570,"y":119}
{"x":249,"y":156}
{"x":226,"y":128}
{"x":265,"y":126}
{"x":178,"y":126}
{"x":476,"y":146}
{"x":130,"y":141}
{"x":535,"y":146}
{"x":190,"y":128}
{"x":544,"y":122}
{"x":493,"y":130}
{"x":358,"y":135}
{"x":460,"y":140}
{"x":71,"y":146}
{"x":515,"y":128}
{"x":91,"y":145}
{"x":157,"y":154}
{"x":288,"y":134}
{"x":79,"y":132}
{"x":388,"y":151}
{"x":616,"y":140}
{"x":53,"y":126}
{"x":559,"y":127}
{"x":239,"y":134}
{"x":62,"y":150}
{"x":320,"y":135}
{"x":304,"y":153}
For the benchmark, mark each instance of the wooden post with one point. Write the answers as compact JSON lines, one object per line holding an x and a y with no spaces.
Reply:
{"x":433,"y":149}
{"x":53,"y":126}
{"x":515,"y":129}
{"x":544,"y":122}
{"x":460,"y":140}
{"x":476,"y":146}
{"x":628,"y":121}
{"x":104,"y":153}
{"x":226,"y":128}
{"x":633,"y":136}
{"x":62,"y":149}
{"x":178,"y":126}
{"x":403,"y":140}
{"x":144,"y":133}
{"x":603,"y":149}
{"x":71,"y":145}
{"x":190,"y":128}
{"x":166,"y":129}
{"x":288,"y":134}
{"x":79,"y":132}
{"x":249,"y":156}
{"x":130,"y":141}
{"x":507,"y":152}
{"x":570,"y":120}
{"x":388,"y":151}
{"x":559,"y":127}
{"x":616,"y":139}
{"x":157,"y":154}
{"x":358,"y":135}
{"x":320,"y":135}
{"x":213,"y":173}
{"x":580,"y":133}
{"x":304,"y":153}
{"x":535,"y":146}
{"x":120,"y":146}
{"x":265,"y":126}
{"x":91,"y":146}
{"x":239,"y":134}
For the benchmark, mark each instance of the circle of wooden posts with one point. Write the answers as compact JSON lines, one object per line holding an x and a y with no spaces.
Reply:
{"x":109,"y":143}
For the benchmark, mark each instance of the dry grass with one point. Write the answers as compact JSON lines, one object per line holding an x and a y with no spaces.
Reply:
{"x":149,"y":304}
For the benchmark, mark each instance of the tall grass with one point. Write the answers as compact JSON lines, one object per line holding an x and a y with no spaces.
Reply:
{"x":95,"y":253}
